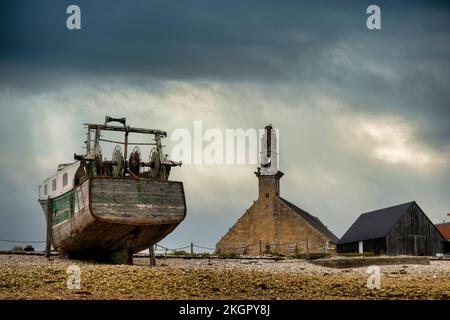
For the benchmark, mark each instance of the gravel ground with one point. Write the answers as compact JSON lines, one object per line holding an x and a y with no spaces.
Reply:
{"x":35,"y":277}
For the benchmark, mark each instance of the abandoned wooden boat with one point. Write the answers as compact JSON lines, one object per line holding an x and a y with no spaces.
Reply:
{"x":113,"y":208}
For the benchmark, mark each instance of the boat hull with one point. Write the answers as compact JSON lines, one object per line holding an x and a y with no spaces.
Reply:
{"x":105,"y":215}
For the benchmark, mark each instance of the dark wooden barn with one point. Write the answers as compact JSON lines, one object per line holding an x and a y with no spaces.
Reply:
{"x":399,"y":230}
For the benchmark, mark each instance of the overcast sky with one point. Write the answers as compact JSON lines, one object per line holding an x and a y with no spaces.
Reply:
{"x":363,"y":115}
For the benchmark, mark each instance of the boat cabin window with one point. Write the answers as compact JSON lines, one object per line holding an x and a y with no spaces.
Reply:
{"x":65,"y":179}
{"x":54,"y":184}
{"x":45,"y":189}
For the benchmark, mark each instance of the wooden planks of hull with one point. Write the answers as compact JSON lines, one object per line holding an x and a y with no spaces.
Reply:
{"x":137,"y":201}
{"x":106,"y":214}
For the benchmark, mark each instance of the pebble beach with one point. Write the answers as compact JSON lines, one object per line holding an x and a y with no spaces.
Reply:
{"x":35,"y":277}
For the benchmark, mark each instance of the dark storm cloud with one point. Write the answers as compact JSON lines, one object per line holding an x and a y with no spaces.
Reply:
{"x":232,"y":39}
{"x":401,"y":69}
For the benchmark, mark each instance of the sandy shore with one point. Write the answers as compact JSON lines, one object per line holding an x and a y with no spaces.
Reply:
{"x":34,"y":277}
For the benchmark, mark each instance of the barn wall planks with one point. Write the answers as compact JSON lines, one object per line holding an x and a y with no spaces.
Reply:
{"x":376,"y":246}
{"x":414,"y":234}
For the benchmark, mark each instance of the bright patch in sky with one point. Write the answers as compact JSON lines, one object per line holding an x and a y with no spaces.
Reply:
{"x":395,"y":141}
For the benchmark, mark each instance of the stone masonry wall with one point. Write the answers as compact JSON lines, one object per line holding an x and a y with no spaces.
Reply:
{"x":271,"y":226}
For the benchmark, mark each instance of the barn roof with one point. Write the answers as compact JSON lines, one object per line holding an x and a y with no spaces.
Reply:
{"x":312,"y":220}
{"x":375,"y":224}
{"x":444,"y":228}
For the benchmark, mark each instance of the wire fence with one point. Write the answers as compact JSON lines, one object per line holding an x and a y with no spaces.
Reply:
{"x":191,"y":247}
{"x":297,"y":248}
{"x":21,"y":241}
{"x":289,"y":248}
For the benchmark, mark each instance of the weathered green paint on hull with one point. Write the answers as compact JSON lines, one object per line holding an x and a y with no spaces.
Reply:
{"x":62,"y":206}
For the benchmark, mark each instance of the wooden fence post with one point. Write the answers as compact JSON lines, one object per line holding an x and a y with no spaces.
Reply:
{"x":48,"y":241}
{"x":152,"y":256}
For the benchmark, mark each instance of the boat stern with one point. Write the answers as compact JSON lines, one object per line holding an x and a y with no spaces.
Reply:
{"x":139,"y":201}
